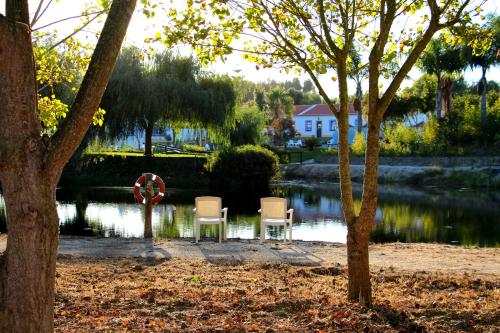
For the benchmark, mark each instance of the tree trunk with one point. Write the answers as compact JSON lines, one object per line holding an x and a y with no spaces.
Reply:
{"x":359,"y":96}
{"x":343,"y":146}
{"x":484,"y":92}
{"x":439,"y":97}
{"x":148,"y":151}
{"x":30,"y":165}
{"x":358,"y":233}
{"x":447,"y":86}
{"x":30,"y":261}
{"x":359,"y":285}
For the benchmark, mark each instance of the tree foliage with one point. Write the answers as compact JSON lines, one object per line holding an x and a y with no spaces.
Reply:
{"x":165,"y":90}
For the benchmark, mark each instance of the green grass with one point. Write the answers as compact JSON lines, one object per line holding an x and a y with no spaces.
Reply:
{"x":120,"y":153}
{"x":308,"y":154}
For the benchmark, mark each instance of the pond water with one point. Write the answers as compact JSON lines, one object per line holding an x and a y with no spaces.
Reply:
{"x":404,"y":214}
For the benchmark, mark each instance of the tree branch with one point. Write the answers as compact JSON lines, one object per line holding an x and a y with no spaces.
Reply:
{"x":35,"y":17}
{"x":406,"y":67}
{"x":72,"y":34}
{"x":66,"y":140}
{"x":70,"y":18}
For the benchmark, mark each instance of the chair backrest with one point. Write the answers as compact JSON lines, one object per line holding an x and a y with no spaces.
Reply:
{"x":208,"y":206}
{"x":273,"y":208}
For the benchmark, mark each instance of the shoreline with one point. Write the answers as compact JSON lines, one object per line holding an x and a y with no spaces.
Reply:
{"x":409,"y":257}
{"x":420,"y":175}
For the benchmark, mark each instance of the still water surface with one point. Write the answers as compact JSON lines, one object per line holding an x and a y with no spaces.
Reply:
{"x":404,"y":214}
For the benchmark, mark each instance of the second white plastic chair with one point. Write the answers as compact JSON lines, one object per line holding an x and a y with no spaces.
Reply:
{"x":273,"y":212}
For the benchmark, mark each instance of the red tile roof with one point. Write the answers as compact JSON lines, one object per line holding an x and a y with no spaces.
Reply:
{"x":318,"y":110}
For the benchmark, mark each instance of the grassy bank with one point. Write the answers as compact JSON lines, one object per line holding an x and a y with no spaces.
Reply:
{"x":122,"y":169}
{"x":184,"y":295}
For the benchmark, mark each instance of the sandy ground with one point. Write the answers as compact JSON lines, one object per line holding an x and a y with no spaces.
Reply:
{"x":407,"y":257}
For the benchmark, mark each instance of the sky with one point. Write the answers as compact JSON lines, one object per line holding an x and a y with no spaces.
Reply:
{"x":141,"y":28}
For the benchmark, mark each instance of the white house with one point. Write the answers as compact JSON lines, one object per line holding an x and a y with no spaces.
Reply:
{"x":318,"y":121}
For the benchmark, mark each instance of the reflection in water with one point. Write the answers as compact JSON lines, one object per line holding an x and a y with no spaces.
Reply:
{"x":406,"y":215}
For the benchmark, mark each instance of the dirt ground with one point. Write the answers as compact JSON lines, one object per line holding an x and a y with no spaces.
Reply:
{"x":120,"y":285}
{"x":193,"y":295}
{"x":439,"y":258}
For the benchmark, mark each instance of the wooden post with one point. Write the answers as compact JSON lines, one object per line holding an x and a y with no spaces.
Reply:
{"x":148,"y":207}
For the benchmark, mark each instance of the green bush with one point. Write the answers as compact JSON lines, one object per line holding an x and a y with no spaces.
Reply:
{"x":123,"y":170}
{"x":194,"y":149}
{"x":249,"y":125}
{"x":400,"y":140}
{"x":241,"y":171}
{"x":358,"y":146}
{"x":311,"y":142}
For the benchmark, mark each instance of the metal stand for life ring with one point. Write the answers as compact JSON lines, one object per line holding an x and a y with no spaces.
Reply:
{"x":149,"y":199}
{"x":148,"y":206}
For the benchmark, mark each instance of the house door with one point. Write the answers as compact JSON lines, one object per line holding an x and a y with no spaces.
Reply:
{"x":319,"y":126}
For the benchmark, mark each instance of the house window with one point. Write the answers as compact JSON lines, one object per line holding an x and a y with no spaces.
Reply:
{"x":309,"y":125}
{"x":333,"y":125}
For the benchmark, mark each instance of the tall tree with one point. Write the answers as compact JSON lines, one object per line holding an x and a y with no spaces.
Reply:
{"x":441,"y":60}
{"x":31,"y":164}
{"x":142,"y":93}
{"x":280,"y":103}
{"x":314,"y":36}
{"x":489,"y":58}
{"x":308,"y":86}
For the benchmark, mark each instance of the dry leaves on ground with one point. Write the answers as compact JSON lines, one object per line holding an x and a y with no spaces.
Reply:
{"x":122,"y":295}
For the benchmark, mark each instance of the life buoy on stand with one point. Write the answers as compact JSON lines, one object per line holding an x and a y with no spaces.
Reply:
{"x":157,"y":198}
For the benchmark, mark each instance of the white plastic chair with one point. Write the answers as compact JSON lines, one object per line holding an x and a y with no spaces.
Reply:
{"x":273,"y":212}
{"x":208,"y":211}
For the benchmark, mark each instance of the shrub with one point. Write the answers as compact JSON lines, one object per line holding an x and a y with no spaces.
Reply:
{"x":244,"y":170}
{"x":311,"y":142}
{"x":123,"y":170}
{"x":358,"y":146}
{"x":400,"y":140}
{"x":194,"y":148}
{"x":249,"y":125}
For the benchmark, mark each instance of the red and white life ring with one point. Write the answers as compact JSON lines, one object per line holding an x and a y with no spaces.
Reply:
{"x":157,"y":198}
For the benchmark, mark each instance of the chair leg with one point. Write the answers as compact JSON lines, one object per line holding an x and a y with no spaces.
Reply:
{"x":197,"y":231}
{"x":284,"y":233}
{"x":291,"y":233}
{"x":225,"y":230}
{"x":220,"y":232}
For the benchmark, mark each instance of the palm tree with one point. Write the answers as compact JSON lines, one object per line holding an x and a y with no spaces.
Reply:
{"x":441,"y":60}
{"x":485,"y":61}
{"x":358,"y":73}
{"x":280,"y":103}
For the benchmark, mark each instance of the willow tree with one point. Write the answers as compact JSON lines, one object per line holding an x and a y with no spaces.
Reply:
{"x":313,"y":36}
{"x":143,"y":92}
{"x":31,"y":163}
{"x":166,"y":89}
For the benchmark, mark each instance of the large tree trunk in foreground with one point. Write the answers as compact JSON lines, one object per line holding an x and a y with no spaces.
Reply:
{"x":32,"y":225}
{"x":30,"y":165}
